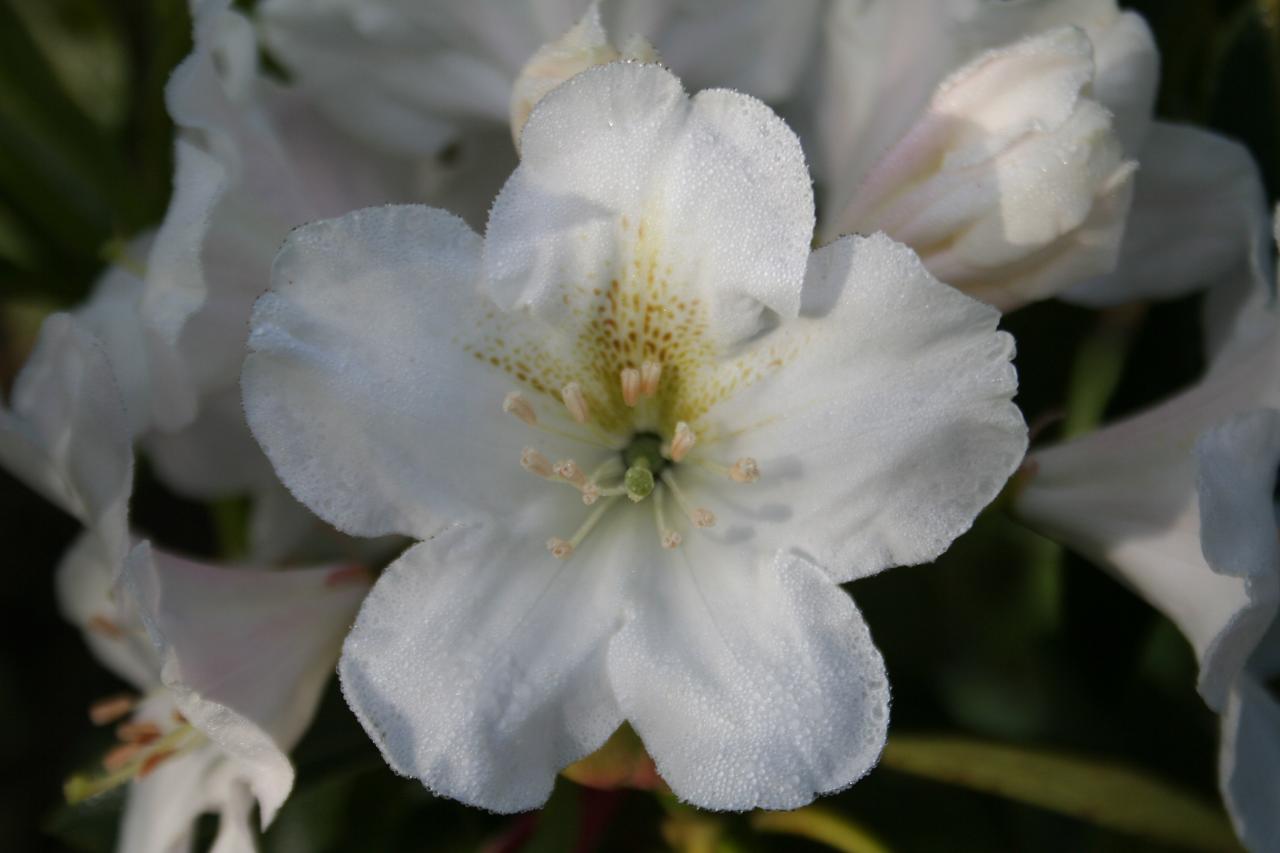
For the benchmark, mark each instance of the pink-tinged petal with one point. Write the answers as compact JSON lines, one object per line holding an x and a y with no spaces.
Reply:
{"x":245,"y":652}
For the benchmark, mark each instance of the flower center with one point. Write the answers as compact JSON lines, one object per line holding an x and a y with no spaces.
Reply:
{"x":644,"y":467}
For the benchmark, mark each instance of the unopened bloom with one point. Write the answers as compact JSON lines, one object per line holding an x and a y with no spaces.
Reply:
{"x":641,"y":434}
{"x":1000,"y":141}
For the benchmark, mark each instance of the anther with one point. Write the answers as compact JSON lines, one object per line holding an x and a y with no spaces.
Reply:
{"x":569,"y":471}
{"x":650,"y":373}
{"x":105,"y":626}
{"x":575,"y":402}
{"x":630,"y":378}
{"x":699,"y":516}
{"x":143,"y":732}
{"x":535,"y":463}
{"x":110,"y":709}
{"x":516,"y":405}
{"x":590,"y":493}
{"x":671,"y":540}
{"x":559,"y":547}
{"x":119,"y":756}
{"x":682,"y":442}
{"x":744,"y":470}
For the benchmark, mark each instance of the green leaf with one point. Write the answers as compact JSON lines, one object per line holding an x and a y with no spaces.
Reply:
{"x":1103,"y":793}
{"x":820,"y":825}
{"x":89,"y":826}
{"x":557,"y":827}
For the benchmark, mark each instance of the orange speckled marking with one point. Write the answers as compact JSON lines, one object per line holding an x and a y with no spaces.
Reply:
{"x":639,"y":311}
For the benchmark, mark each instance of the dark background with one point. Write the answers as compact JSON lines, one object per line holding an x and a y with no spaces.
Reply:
{"x":1007,"y":638}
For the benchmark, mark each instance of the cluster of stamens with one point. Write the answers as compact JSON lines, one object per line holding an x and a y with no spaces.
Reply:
{"x":643,"y":468}
{"x":143,"y":745}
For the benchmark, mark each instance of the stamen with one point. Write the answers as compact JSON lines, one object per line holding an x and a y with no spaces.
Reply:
{"x":700,"y":516}
{"x":650,"y":373}
{"x":744,"y":470}
{"x":110,"y":709}
{"x":132,"y":760}
{"x":682,"y":442}
{"x":569,"y":471}
{"x":630,"y":378}
{"x":670,"y":539}
{"x":562,"y":549}
{"x":516,"y":405}
{"x":105,"y":626}
{"x":142,"y":732}
{"x":154,"y":760}
{"x":120,"y":755}
{"x":535,"y":463}
{"x":590,"y":493}
{"x":559,"y":547}
{"x":575,"y":402}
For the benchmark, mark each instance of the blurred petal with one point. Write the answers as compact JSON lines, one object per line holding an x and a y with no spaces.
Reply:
{"x":1126,"y":497}
{"x":66,"y":433}
{"x":86,"y":593}
{"x":1249,"y":763}
{"x":477,"y":663}
{"x":1198,"y":211}
{"x":752,"y":684}
{"x":1237,"y":479}
{"x":865,"y":464}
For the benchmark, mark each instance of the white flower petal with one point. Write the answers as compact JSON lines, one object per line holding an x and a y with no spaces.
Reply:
{"x":753,"y":683}
{"x":887,"y":426}
{"x":66,"y":434}
{"x":1126,"y":497}
{"x":85,"y":587}
{"x":1249,"y":763}
{"x":245,"y":653}
{"x":477,"y":663}
{"x":360,"y":388}
{"x":618,"y":167}
{"x":253,"y":160}
{"x":161,"y":809}
{"x":1198,"y":210}
{"x":215,"y":455}
{"x":1237,"y":478}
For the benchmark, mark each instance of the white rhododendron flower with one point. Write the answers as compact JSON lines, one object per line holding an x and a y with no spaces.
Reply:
{"x":1179,"y":502}
{"x":413,"y":77}
{"x":641,"y":434}
{"x":228,"y":663}
{"x":999,"y":139}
